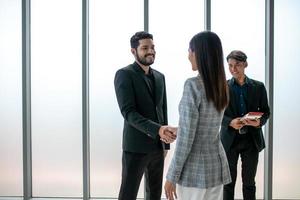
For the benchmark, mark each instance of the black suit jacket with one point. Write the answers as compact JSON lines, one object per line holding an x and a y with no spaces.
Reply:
{"x":143,"y":113}
{"x":257,"y":102}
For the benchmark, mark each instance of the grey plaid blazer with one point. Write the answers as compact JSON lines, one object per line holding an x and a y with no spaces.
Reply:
{"x":199,"y":159}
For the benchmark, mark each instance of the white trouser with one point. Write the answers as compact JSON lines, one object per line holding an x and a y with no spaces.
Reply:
{"x":191,"y":193}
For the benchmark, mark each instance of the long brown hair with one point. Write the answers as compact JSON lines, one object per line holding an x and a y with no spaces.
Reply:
{"x":208,"y":51}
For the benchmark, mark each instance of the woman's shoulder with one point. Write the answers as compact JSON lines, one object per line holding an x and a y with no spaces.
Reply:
{"x":194,"y":82}
{"x":193,"y":86}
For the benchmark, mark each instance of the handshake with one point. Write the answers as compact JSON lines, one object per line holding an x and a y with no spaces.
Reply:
{"x":167,"y":134}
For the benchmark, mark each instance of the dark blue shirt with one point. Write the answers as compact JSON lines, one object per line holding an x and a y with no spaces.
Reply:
{"x":241,"y":94}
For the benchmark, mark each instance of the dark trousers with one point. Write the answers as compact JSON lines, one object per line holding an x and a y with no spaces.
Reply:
{"x":134,"y":165}
{"x":243,"y":145}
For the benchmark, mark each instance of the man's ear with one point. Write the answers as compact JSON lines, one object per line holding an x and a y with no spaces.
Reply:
{"x":133,"y":51}
{"x":246,"y":64}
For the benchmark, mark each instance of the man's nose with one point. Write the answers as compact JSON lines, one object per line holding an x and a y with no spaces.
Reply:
{"x":152,"y":51}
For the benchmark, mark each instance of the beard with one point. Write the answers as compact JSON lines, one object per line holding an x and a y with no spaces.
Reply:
{"x":144,"y":60}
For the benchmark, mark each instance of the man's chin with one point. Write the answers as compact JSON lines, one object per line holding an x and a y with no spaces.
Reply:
{"x":146,"y":63}
{"x":150,"y":61}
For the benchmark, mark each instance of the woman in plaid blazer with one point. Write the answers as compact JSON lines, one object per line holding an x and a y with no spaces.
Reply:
{"x":199,"y":166}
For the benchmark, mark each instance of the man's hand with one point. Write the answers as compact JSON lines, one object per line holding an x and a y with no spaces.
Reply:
{"x":167,"y":134}
{"x":251,"y":122}
{"x":170,"y":190}
{"x":237,"y":123}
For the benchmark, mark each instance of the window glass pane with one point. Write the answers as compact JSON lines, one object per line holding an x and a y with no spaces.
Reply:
{"x":173,"y":23}
{"x":56,"y":98}
{"x":286,"y":159}
{"x":240,"y":29}
{"x":109,"y":51}
{"x":11,"y":175}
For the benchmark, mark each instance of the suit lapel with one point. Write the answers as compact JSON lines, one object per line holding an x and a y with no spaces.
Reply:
{"x":159,"y":95}
{"x":158,"y":85}
{"x":251,"y":93}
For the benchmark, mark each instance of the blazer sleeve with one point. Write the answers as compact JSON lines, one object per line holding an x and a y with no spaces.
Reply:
{"x":165,"y":110}
{"x":228,"y":113}
{"x":264,"y":106}
{"x":125,"y":97}
{"x":226,"y":120}
{"x":228,"y":117}
{"x":188,"y":121}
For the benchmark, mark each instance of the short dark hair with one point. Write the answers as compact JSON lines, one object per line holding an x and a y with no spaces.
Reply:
{"x":134,"y":40}
{"x":208,"y":50}
{"x":237,"y":55}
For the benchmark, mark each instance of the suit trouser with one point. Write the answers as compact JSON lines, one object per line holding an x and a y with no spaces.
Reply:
{"x":134,"y":165}
{"x":244,"y":146}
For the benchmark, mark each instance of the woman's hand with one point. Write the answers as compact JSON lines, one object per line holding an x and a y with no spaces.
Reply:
{"x":170,"y":190}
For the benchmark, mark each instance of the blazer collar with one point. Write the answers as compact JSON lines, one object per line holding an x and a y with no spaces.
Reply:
{"x":159,"y":85}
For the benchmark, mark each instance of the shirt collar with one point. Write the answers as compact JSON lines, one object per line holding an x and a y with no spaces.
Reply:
{"x":140,"y":69}
{"x":246,"y":81}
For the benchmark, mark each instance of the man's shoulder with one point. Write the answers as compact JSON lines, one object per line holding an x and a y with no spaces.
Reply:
{"x":128,"y":68}
{"x":255,"y":82}
{"x":124,"y":73}
{"x":250,"y":81}
{"x":157,"y":72}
